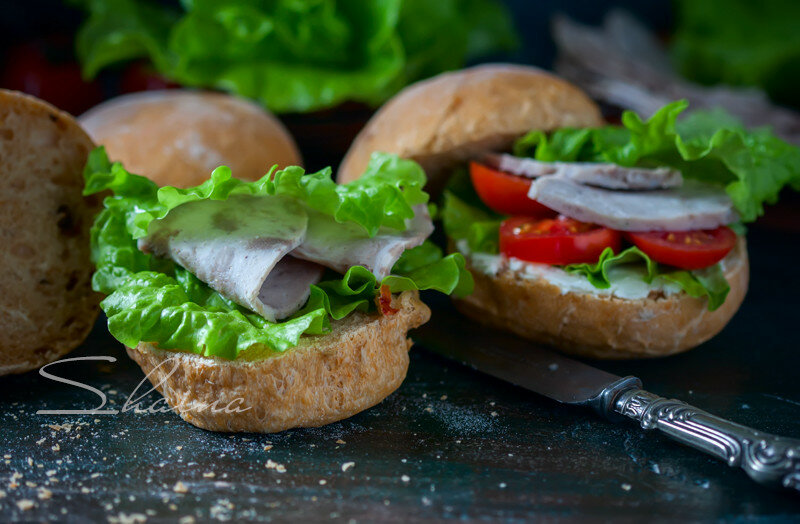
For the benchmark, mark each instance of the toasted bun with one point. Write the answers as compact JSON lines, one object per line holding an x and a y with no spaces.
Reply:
{"x":325,"y":379}
{"x":177,"y":137}
{"x":451,"y":118}
{"x":45,"y":291}
{"x":600,"y":326}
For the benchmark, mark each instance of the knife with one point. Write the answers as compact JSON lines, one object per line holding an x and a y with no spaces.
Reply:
{"x":769,"y":459}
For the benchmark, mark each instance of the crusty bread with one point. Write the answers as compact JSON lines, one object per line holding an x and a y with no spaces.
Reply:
{"x":446,"y":120}
{"x":45,"y":292}
{"x":177,"y":137}
{"x":325,"y":379}
{"x":602,"y":326}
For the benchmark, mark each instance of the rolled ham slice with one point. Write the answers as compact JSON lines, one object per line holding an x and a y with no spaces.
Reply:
{"x":692,"y":206}
{"x":609,"y":176}
{"x":239,"y":248}
{"x":341,"y":246}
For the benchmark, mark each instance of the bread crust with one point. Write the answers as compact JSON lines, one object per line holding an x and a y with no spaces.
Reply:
{"x":324,"y":379}
{"x":177,"y":137}
{"x":454,"y":117}
{"x":45,"y":290}
{"x":599,"y":326}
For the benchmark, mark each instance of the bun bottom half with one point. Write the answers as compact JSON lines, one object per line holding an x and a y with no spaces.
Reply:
{"x":599,"y":326}
{"x":324,"y":379}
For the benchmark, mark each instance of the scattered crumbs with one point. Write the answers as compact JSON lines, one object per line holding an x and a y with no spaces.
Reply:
{"x":347,"y":465}
{"x":405,"y":478}
{"x":2,"y":494}
{"x":209,"y":475}
{"x":322,"y":482}
{"x":25,"y":504}
{"x":30,"y":484}
{"x":493,"y":413}
{"x":6,"y":456}
{"x":85,"y":490}
{"x":179,"y":448}
{"x":50,"y":472}
{"x":691,"y":392}
{"x":124,"y":518}
{"x":429,"y":409}
{"x":180,"y":487}
{"x":247,"y":440}
{"x":626,"y":486}
{"x":40,"y":441}
{"x":553,"y":367}
{"x":492,"y":403}
{"x":502,"y":485}
{"x":30,"y":461}
{"x":188,"y":519}
{"x":108,"y":507}
{"x":443,"y":397}
{"x":97,"y":420}
{"x":271,"y":464}
{"x":57,"y":447}
{"x":403,"y":460}
{"x":424,"y":395}
{"x":45,"y":494}
{"x":340,"y":441}
{"x":510,"y":454}
{"x":94,"y":475}
{"x":268,"y":447}
{"x":173,"y":507}
{"x":458,"y":441}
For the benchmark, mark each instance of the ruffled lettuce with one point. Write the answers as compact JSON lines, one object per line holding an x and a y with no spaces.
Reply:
{"x":295,"y":55}
{"x":466,"y":219}
{"x":152,"y":299}
{"x":752,"y":166}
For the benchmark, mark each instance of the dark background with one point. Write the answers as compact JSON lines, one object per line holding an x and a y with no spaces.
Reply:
{"x":449,"y":444}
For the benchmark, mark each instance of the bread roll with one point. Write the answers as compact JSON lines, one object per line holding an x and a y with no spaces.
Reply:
{"x":177,"y":137}
{"x":45,"y":289}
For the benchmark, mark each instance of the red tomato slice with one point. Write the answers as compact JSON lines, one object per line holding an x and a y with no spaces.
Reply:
{"x":505,"y":193}
{"x":686,"y":249}
{"x":555,"y":241}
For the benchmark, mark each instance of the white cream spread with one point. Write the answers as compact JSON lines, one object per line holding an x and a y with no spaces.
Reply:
{"x":627,"y":282}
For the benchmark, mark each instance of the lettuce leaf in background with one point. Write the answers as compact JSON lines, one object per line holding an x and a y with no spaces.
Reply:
{"x":290,"y":55}
{"x":740,"y":42}
{"x":709,"y":146}
{"x":154,"y":300}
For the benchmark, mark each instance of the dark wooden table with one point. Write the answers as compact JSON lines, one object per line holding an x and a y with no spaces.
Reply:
{"x":449,"y":444}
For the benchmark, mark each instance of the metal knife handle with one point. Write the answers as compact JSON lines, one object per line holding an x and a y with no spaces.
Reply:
{"x":768,"y":459}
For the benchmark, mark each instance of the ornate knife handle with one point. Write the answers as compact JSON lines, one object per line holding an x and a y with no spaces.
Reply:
{"x":768,"y":459}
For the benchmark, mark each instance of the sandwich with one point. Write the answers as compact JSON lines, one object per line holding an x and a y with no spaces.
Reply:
{"x":47,"y":302}
{"x":266,"y":305}
{"x":608,"y":241}
{"x":176,"y":137}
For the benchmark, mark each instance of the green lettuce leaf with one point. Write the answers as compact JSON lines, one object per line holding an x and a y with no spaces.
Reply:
{"x":465,"y":217}
{"x":709,"y":47}
{"x":752,"y":166}
{"x":295,"y":55}
{"x":709,"y":282}
{"x":150,"y":299}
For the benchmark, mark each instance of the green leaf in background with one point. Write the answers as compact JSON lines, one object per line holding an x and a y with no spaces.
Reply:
{"x":709,"y":146}
{"x":740,"y":42}
{"x":295,"y":55}
{"x":154,"y":300}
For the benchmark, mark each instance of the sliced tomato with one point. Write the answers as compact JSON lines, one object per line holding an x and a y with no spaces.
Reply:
{"x":686,"y":249}
{"x":555,"y":241}
{"x":505,"y":193}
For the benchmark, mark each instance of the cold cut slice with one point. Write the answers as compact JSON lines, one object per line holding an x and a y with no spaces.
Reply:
{"x":235,"y":245}
{"x":693,"y":206}
{"x":341,"y":246}
{"x":610,"y":176}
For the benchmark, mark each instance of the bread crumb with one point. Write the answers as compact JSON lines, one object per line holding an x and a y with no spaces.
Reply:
{"x":188,"y":519}
{"x":268,"y":447}
{"x":25,"y":504}
{"x":340,"y":441}
{"x":45,"y":494}
{"x":2,"y":494}
{"x":271,"y":464}
{"x":30,"y":484}
{"x":322,"y":482}
{"x":626,"y":486}
{"x":85,"y":490}
{"x":347,"y":465}
{"x":180,"y":487}
{"x":50,"y":472}
{"x":56,"y":447}
{"x":443,"y":397}
{"x":179,"y":448}
{"x":133,"y":518}
{"x":405,"y":478}
{"x":40,"y":441}
{"x":209,"y":475}
{"x":493,"y":413}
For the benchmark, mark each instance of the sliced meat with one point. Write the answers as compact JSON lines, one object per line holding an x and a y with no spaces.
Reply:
{"x":693,"y":206}
{"x":235,"y":245}
{"x":609,"y":176}
{"x":341,"y":246}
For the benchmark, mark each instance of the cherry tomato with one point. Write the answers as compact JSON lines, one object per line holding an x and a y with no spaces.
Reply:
{"x":555,"y":241}
{"x":505,"y":193}
{"x":686,"y":249}
{"x":47,"y":71}
{"x":139,"y":76}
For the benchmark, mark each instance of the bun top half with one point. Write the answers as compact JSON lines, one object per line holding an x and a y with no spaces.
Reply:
{"x":177,"y":137}
{"x":454,"y":117}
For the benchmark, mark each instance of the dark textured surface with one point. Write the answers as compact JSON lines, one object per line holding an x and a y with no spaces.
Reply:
{"x":449,"y":443}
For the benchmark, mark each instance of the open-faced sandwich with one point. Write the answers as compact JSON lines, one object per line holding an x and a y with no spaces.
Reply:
{"x":602,"y":240}
{"x":266,"y":305}
{"x":46,"y":300}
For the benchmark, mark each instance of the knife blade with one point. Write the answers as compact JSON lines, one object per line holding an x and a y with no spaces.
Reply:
{"x":768,"y":459}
